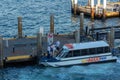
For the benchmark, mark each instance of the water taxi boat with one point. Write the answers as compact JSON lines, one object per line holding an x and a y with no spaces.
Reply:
{"x":81,"y":53}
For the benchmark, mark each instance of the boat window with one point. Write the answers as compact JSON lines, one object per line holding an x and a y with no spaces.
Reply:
{"x":100,"y":50}
{"x":106,"y":49}
{"x":84,"y":52}
{"x":70,"y":54}
{"x":92,"y":51}
{"x":76,"y":53}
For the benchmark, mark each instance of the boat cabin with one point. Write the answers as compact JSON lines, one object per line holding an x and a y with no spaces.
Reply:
{"x":84,"y":49}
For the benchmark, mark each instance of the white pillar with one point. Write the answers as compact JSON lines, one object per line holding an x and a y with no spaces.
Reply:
{"x":41,"y":30}
{"x":104,"y":9}
{"x":72,"y":4}
{"x":76,"y":1}
{"x":98,"y":3}
{"x":92,"y":3}
{"x":104,"y":4}
{"x":92,"y":10}
{"x":75,"y":6}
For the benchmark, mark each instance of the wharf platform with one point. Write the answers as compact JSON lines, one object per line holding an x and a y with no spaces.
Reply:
{"x":98,"y":11}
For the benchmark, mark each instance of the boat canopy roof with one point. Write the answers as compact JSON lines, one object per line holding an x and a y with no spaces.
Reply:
{"x":86,"y":45}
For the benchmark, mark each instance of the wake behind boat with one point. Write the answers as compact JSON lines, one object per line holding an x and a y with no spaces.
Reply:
{"x":81,"y":53}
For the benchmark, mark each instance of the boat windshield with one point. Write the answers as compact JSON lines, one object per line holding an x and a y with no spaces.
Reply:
{"x":63,"y":52}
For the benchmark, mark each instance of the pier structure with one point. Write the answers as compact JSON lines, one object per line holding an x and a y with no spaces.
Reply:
{"x":26,"y":48}
{"x":98,"y":11}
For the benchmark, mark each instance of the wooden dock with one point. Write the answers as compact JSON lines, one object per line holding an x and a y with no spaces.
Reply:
{"x":23,"y":48}
{"x":99,"y":11}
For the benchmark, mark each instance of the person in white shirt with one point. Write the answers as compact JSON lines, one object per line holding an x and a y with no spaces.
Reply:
{"x":57,"y":45}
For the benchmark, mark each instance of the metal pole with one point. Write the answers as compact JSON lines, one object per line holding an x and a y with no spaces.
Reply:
{"x":19,"y":27}
{"x":1,"y":52}
{"x":81,"y":23}
{"x":52,"y":23}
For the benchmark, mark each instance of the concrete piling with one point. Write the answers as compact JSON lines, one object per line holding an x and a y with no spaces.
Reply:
{"x":92,"y":10}
{"x":1,"y":52}
{"x":19,"y":27}
{"x":81,"y":23}
{"x":52,"y":23}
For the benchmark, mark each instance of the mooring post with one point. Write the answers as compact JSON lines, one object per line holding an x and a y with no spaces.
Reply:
{"x":75,"y":6}
{"x":77,"y":36}
{"x":108,"y":38}
{"x":72,"y":5}
{"x":39,"y":44}
{"x":112,"y":33}
{"x":92,"y":27}
{"x":81,"y":23}
{"x":119,"y":10}
{"x":104,"y":10}
{"x":98,"y":2}
{"x":92,"y":10}
{"x":19,"y":27}
{"x":89,"y":2}
{"x":52,"y":23}
{"x":1,"y":52}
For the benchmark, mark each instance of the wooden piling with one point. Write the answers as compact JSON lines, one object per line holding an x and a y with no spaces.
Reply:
{"x":98,"y":2}
{"x":89,"y":2}
{"x":52,"y":23}
{"x":39,"y":44}
{"x":92,"y":10}
{"x":72,"y":5}
{"x":108,"y":38}
{"x":19,"y":27}
{"x":104,"y":10}
{"x":112,"y":33}
{"x":1,"y":52}
{"x":77,"y":36}
{"x":75,"y":6}
{"x":81,"y":23}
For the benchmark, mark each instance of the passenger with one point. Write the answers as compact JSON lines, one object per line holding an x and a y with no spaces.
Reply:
{"x":53,"y":49}
{"x":58,"y":45}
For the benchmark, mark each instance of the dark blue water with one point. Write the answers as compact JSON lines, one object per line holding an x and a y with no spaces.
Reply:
{"x":36,"y":14}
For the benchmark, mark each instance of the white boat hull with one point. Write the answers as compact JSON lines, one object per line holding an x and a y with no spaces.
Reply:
{"x":75,"y":61}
